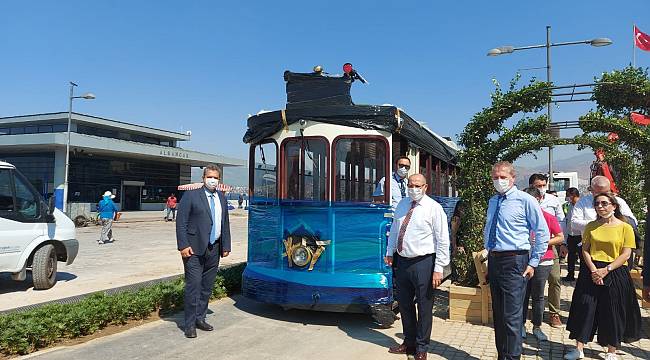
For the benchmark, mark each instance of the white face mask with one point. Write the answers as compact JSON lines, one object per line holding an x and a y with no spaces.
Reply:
{"x":415,"y":193}
{"x":501,"y":185}
{"x":402,"y":172}
{"x":608,"y":215}
{"x":543,"y":189}
{"x":211,"y":183}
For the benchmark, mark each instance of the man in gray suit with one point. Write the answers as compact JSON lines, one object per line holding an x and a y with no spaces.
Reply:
{"x":203,"y":236}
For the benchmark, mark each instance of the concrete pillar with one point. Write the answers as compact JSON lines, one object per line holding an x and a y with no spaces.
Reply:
{"x":59,"y":177}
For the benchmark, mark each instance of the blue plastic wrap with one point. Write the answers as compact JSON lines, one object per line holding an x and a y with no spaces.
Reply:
{"x":350,"y":270}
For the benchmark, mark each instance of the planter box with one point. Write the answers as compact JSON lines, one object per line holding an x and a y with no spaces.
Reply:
{"x":472,"y":305}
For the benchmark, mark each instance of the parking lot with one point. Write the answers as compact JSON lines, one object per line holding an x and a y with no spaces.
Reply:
{"x":144,"y":249}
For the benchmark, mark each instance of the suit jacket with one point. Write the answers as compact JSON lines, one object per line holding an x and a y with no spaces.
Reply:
{"x":194,"y":222}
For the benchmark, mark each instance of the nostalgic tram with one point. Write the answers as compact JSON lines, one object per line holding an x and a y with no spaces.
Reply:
{"x":317,"y":229}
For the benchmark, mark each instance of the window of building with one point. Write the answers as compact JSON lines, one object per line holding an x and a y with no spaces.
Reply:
{"x":263,"y":177}
{"x":5,"y":131}
{"x":60,"y":127}
{"x":6,"y":192}
{"x":305,"y":169}
{"x":360,"y":165}
{"x":45,"y":128}
{"x":32,"y":129}
{"x":17,"y":130}
{"x":38,"y":168}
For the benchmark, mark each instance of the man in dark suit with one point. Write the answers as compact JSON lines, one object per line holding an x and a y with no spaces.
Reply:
{"x":203,"y":236}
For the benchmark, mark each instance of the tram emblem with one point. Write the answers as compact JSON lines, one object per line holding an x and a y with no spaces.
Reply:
{"x":302,"y":248}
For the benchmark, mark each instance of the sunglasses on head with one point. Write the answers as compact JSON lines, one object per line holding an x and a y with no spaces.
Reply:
{"x":602,"y":203}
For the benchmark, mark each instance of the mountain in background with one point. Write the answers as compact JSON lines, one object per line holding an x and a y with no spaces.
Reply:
{"x":580,"y":163}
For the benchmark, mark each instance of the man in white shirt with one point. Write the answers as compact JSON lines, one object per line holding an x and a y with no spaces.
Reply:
{"x":584,"y":212}
{"x":574,"y":235}
{"x":551,"y":204}
{"x":419,"y":241}
{"x":397,"y":182}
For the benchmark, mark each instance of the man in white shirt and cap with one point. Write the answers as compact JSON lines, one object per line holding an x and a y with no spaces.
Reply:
{"x":419,"y":244}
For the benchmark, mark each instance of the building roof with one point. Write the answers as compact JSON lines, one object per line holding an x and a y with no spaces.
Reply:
{"x":89,"y":119}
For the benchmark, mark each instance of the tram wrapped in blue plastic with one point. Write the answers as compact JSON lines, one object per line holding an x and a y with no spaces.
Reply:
{"x":317,"y":231}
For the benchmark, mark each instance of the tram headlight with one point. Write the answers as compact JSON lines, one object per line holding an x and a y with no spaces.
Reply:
{"x":301,"y":256}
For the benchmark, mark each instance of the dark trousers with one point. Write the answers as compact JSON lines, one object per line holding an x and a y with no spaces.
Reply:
{"x":535,"y":290}
{"x":200,"y":274}
{"x":508,"y":288}
{"x":414,"y":280}
{"x":575,"y":252}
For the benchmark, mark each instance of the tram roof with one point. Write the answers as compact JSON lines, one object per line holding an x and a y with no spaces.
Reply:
{"x":326,"y":100}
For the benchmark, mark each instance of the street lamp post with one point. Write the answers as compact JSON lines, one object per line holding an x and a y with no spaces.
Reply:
{"x":597,"y":42}
{"x":87,"y":96}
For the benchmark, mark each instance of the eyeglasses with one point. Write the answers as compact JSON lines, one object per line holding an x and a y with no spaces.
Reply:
{"x":408,"y":167}
{"x":415,"y":186}
{"x":602,"y":203}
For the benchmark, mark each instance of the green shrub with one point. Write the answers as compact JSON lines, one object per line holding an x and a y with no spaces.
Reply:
{"x":25,"y":332}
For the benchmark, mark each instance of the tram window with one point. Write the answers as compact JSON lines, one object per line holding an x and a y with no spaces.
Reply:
{"x":360,"y":165}
{"x":305,"y":169}
{"x":264,"y":172}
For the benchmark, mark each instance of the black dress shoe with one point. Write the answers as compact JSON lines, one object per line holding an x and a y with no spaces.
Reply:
{"x":204,"y":325}
{"x":402,"y":349}
{"x":190,"y":333}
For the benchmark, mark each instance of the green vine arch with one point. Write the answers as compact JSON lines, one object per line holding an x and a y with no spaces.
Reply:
{"x":486,"y":140}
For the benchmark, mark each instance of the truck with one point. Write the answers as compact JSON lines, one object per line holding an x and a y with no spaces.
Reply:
{"x":34,"y":234}
{"x":564,"y":180}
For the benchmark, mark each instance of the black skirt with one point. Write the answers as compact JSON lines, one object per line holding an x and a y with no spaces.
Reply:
{"x":611,"y":310}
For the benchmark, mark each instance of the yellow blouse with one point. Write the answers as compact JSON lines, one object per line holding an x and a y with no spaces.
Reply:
{"x":606,"y":242}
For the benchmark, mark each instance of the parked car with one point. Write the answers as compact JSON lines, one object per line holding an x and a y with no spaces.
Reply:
{"x":34,"y":235}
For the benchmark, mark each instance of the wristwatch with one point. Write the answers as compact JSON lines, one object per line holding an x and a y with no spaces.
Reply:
{"x":609,"y":268}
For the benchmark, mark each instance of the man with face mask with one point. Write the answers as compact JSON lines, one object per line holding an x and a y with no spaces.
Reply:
{"x":397,"y":182}
{"x":551,"y":204}
{"x":511,"y":217}
{"x":419,"y":242}
{"x":203,"y":236}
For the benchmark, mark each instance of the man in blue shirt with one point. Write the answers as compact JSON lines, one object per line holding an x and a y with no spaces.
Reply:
{"x":512,"y":217}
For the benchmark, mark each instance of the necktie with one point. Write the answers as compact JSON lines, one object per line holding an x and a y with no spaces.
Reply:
{"x":402,"y":229}
{"x":492,"y":240}
{"x":402,"y":188}
{"x":213,"y":232}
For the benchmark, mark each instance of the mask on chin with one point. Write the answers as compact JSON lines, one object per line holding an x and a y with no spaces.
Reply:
{"x":501,"y":185}
{"x":211,"y":183}
{"x":608,"y":215}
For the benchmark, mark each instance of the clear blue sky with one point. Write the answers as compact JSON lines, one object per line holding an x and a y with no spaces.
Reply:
{"x":202,"y":65}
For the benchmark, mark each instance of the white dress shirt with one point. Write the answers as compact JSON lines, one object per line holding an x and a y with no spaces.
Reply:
{"x":427,"y":231}
{"x":552,"y":205}
{"x":584,"y":212}
{"x":570,"y":229}
{"x":396,"y":185}
{"x":217,"y":211}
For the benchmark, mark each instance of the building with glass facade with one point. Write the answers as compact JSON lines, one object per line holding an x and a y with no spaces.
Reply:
{"x":139,"y":164}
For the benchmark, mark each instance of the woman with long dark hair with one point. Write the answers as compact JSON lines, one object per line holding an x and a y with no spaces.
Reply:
{"x":604,"y":300}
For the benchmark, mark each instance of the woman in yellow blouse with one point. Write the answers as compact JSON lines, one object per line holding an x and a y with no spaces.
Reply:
{"x":604,"y":300}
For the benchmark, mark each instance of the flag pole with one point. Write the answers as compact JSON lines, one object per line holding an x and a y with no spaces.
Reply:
{"x":633,"y":45}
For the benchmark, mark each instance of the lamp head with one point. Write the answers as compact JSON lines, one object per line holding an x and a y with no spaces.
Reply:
{"x":88,"y":96}
{"x":501,"y":50}
{"x":597,"y":42}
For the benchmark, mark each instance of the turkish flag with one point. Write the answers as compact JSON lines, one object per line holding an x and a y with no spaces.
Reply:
{"x":641,"y":40}
{"x":640,"y":119}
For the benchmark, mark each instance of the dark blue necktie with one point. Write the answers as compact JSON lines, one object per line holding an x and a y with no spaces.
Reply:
{"x":213,"y":232}
{"x":492,"y":239}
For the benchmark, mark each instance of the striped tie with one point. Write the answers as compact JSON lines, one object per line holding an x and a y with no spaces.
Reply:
{"x":405,"y":223}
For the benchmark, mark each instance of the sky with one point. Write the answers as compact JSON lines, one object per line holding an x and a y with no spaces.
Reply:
{"x":205,"y":65}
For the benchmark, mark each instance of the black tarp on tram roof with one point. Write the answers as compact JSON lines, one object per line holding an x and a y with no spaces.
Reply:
{"x":326,"y":99}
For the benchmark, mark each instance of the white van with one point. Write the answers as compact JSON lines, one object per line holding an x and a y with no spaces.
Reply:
{"x":33,"y":234}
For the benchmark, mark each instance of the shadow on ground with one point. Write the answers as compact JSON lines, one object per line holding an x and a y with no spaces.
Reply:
{"x":7,"y":285}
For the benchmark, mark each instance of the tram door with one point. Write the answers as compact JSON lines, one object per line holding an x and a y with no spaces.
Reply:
{"x":263,"y":211}
{"x":359,"y":165}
